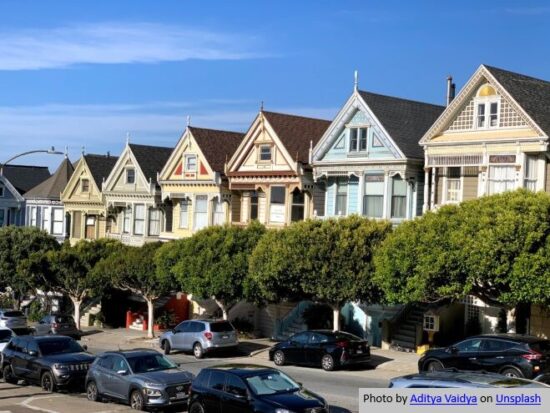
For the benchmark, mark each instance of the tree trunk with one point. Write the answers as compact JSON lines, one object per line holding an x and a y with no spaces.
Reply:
{"x":223,"y":307}
{"x":150,"y":318}
{"x":76,"y":304}
{"x":335,"y":317}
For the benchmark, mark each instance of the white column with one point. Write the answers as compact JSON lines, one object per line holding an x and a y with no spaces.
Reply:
{"x":426,"y":204}
{"x":387,"y":196}
{"x":432,"y":189}
{"x":541,"y":173}
{"x":361,"y":193}
{"x":408,"y":212}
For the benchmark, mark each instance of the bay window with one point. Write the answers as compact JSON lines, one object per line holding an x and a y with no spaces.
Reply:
{"x":341,"y":196}
{"x":184,"y":214}
{"x":453,"y":190}
{"x":373,"y":198}
{"x":139,"y":219}
{"x":218,"y":216}
{"x":126,"y":225}
{"x":501,"y":178}
{"x":277,"y":204}
{"x":201,"y":212}
{"x":154,"y":221}
{"x":58,"y":216}
{"x":530,"y":180}
{"x":399,"y":197}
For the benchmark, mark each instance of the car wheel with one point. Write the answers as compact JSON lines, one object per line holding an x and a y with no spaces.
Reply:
{"x":434,"y":365}
{"x":47,"y":382}
{"x":279,"y":358}
{"x":512,"y":372}
{"x":166,"y":347}
{"x":9,"y":377}
{"x":327,"y":362}
{"x":136,"y":400}
{"x":196,"y":407}
{"x":198,"y":351}
{"x":92,"y":393}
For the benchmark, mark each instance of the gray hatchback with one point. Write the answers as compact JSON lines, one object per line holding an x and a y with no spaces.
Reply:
{"x":142,"y":378}
{"x":200,"y":337}
{"x":56,"y":324}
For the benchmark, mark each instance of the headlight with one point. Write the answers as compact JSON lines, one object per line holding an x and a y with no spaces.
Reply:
{"x":283,"y":411}
{"x":60,"y":366}
{"x":152,"y":392}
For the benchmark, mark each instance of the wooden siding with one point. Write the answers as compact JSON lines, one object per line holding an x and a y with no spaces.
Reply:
{"x":236,"y":207}
{"x":470,"y":184}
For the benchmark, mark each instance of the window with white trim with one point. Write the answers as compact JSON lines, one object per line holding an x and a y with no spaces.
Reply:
{"x":254,"y":205}
{"x":46,"y":220}
{"x":358,"y":139}
{"x":265,"y":153}
{"x":277,"y":204}
{"x":154,"y":221}
{"x":218,"y":216}
{"x":190,"y":163}
{"x":298,"y":206}
{"x":57,"y":217}
{"x":34,"y":216}
{"x":530,"y":178}
{"x":127,"y":222}
{"x":373,"y":198}
{"x":487,"y":107}
{"x":184,"y":213}
{"x":399,"y":197}
{"x":341,"y":196}
{"x":501,"y":178}
{"x":139,"y":219}
{"x":85,"y":185}
{"x":454,"y":187}
{"x":130,"y":175}
{"x":201,"y":212}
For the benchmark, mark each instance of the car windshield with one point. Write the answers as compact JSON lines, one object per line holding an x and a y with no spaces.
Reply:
{"x":271,"y":383}
{"x":5,"y":336}
{"x":64,"y":319}
{"x":64,"y":346}
{"x":345,"y":336}
{"x":150,"y":362}
{"x":221,"y":327}
{"x":13,"y":314}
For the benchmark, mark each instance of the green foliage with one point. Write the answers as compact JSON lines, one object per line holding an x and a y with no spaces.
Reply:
{"x":214,"y":261}
{"x":36,"y":311}
{"x":166,"y":319}
{"x":494,"y":247}
{"x":323,"y":260}
{"x":17,"y":244}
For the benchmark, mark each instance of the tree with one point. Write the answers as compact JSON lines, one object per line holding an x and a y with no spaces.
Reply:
{"x":134,"y":269}
{"x":69,"y":270}
{"x":495,"y":247}
{"x":214,"y":263}
{"x":17,"y":244}
{"x":329,"y":261}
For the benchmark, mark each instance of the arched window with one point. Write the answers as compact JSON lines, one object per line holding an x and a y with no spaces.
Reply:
{"x":487,"y":107}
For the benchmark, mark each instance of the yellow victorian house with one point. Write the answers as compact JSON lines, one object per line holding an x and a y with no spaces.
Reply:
{"x":193,"y":182}
{"x":83,"y":199}
{"x":270,"y":174}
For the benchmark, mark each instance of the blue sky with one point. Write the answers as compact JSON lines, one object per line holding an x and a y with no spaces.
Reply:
{"x":86,"y":73}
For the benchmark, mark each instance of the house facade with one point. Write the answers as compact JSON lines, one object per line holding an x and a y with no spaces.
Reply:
{"x":15,"y":182}
{"x":132,"y":195}
{"x":193,"y":181}
{"x":369,"y":159}
{"x":83,"y":198}
{"x":269,"y":173}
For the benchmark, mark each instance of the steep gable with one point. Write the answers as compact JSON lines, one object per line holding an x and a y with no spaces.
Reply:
{"x":151,"y":159}
{"x":24,"y":177}
{"x":52,"y":187}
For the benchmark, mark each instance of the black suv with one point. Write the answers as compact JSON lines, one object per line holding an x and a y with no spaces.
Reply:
{"x":49,"y":361}
{"x":249,"y":388}
{"x":513,"y":355}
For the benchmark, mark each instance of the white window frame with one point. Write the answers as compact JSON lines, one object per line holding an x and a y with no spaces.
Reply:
{"x":337,"y":185}
{"x":184,"y":212}
{"x":127,"y":220}
{"x":54,"y":221}
{"x":128,"y":170}
{"x":271,"y":205}
{"x":139,"y":220}
{"x":203,"y":214}
{"x":186,"y":165}
{"x":446,"y":186}
{"x":530,"y":176}
{"x":218,"y":216}
{"x":82,"y":185}
{"x":392,"y":196}
{"x":486,"y":102}
{"x":358,"y":131}
{"x":263,"y":146}
{"x":365,"y":195}
{"x":4,"y":217}
{"x":156,"y":221}
{"x":489,"y":180}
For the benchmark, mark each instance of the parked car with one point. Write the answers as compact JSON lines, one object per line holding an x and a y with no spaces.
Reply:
{"x":13,"y":319}
{"x":200,"y":337}
{"x":57,"y":325}
{"x":324,"y":348}
{"x":250,"y":388}
{"x":51,"y":362}
{"x":513,"y":355}
{"x":454,"y":378}
{"x":6,"y":335}
{"x":141,"y":378}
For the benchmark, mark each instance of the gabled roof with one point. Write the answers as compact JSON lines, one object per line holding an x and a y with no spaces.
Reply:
{"x":24,"y":177}
{"x":533,"y":95}
{"x":151,"y":159}
{"x":216,"y":145}
{"x":405,"y":120}
{"x":100,"y":166}
{"x":52,"y":187}
{"x":297,"y":133}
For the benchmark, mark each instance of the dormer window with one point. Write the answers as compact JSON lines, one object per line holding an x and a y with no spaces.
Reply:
{"x":487,"y":107}
{"x":265,"y":153}
{"x":358,"y":139}
{"x":85,"y":185}
{"x":130,"y":176}
{"x":190,"y":163}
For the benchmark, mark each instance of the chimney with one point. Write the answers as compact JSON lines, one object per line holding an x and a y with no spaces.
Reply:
{"x":451,"y":90}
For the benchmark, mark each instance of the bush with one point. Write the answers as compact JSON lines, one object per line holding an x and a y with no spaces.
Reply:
{"x":36,"y":311}
{"x":6,"y":300}
{"x":166,"y":319}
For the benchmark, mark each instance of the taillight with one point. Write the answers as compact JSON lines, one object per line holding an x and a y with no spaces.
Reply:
{"x":208,"y":335}
{"x":532,"y":356}
{"x":342,"y":344}
{"x":55,"y":325}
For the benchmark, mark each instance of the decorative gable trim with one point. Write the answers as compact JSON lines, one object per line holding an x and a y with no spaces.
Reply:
{"x":126,"y":159}
{"x":81,"y":167}
{"x":353,"y":104}
{"x":481,"y":75}
{"x":8,"y":186}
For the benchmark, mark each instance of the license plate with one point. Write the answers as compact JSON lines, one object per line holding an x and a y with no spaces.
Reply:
{"x":359,"y":351}
{"x":181,"y":395}
{"x":225,"y":337}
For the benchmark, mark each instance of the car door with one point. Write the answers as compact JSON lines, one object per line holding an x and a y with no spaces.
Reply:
{"x":235,"y":398}
{"x":103,"y":373}
{"x":109,"y":377}
{"x":178,"y":337}
{"x":495,"y":354}
{"x":18,"y":358}
{"x":464,"y":355}
{"x":212,"y":398}
{"x":120,"y":378}
{"x":43,"y":327}
{"x":32,"y":358}
{"x":315,"y":348}
{"x":295,"y":349}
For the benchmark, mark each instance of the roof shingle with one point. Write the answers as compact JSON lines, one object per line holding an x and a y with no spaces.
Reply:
{"x":100,"y":166}
{"x":405,"y":120}
{"x":52,"y":187}
{"x":24,"y":177}
{"x":216,"y":145}
{"x":151,"y":159}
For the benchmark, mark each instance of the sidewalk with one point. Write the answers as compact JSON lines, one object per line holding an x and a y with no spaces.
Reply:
{"x":114,"y":339}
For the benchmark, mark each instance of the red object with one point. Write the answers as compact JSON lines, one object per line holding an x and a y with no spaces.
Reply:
{"x":202,"y":169}
{"x":342,"y":344}
{"x":208,"y":335}
{"x":179,"y":169}
{"x":532,"y":356}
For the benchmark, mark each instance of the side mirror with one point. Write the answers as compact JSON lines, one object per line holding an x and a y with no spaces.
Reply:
{"x":122,"y":372}
{"x":453,"y":350}
{"x":85,"y":347}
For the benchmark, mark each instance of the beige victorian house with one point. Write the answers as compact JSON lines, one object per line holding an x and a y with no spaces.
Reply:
{"x":132,"y":195}
{"x":194,"y":185}
{"x":83,"y":199}
{"x":269,"y":174}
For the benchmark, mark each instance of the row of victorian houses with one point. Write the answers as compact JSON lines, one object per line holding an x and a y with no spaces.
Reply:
{"x":381,"y":157}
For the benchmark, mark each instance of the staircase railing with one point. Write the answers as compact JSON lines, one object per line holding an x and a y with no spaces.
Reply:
{"x":89,"y":304}
{"x":282,"y":324}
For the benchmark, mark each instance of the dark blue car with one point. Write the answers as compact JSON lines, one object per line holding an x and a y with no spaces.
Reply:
{"x":249,"y":388}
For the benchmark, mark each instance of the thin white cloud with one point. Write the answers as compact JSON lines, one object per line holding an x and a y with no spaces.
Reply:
{"x":118,"y":43}
{"x":528,"y":11}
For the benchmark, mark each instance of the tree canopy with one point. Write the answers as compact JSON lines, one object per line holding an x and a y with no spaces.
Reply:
{"x":495,"y":247}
